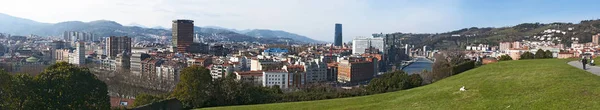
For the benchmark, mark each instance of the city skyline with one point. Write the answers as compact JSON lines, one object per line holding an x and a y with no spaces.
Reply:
{"x":361,"y":17}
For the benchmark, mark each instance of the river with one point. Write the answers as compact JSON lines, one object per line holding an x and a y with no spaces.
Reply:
{"x":419,"y":65}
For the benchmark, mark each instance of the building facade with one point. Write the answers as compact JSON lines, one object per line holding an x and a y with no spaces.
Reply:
{"x":360,"y":45}
{"x":355,"y":70}
{"x":78,"y":55}
{"x":277,"y":77}
{"x":338,"y":35}
{"x":183,"y":35}
{"x":117,"y":45}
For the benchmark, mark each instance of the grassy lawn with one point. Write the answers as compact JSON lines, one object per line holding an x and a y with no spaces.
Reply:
{"x":526,"y":84}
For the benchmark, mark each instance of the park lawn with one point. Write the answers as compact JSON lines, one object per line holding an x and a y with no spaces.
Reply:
{"x":523,"y":84}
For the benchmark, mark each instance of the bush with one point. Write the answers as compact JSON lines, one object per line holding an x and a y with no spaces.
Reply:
{"x":548,"y":54}
{"x":415,"y":80}
{"x":527,"y":55}
{"x":388,"y":82}
{"x":463,"y":67}
{"x":505,"y":58}
{"x":540,"y":54}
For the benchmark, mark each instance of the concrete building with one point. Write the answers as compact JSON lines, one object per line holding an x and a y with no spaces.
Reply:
{"x":360,"y":45}
{"x":117,"y":45}
{"x":136,"y":63}
{"x":78,"y":55}
{"x":264,"y":64}
{"x":169,"y":71}
{"x":254,"y":77}
{"x":316,"y":71}
{"x":275,"y":77}
{"x":504,"y":46}
{"x":61,"y":55}
{"x":296,"y":75}
{"x":595,"y":39}
{"x":338,"y":35}
{"x":122,"y":62}
{"x":183,"y":35}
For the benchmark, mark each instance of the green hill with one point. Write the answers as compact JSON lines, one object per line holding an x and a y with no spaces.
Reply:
{"x":527,"y":84}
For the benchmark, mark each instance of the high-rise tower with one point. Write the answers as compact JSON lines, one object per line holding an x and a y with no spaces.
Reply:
{"x":338,"y":35}
{"x":183,"y":35}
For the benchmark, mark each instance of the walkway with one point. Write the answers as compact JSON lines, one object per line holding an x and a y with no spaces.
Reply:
{"x":592,"y":69}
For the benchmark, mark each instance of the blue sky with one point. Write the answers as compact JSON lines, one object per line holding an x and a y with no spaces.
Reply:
{"x":312,"y":18}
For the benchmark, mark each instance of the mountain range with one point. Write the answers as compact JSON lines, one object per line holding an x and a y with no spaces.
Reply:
{"x":21,"y":26}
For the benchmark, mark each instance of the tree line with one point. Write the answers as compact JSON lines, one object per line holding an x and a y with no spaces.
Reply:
{"x":197,"y":89}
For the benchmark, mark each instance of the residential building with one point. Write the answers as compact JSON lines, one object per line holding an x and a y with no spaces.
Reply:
{"x":78,"y":56}
{"x":595,"y":39}
{"x":220,"y":69}
{"x":149,"y":67}
{"x":61,"y":55}
{"x":122,"y":62}
{"x":275,"y":77}
{"x":136,"y":63}
{"x":117,"y":45}
{"x":169,"y":71}
{"x":204,"y":62}
{"x":505,"y":46}
{"x":296,"y":75}
{"x":338,"y":35}
{"x":316,"y":71}
{"x":264,"y":64}
{"x":332,"y":73}
{"x":183,"y":35}
{"x":254,"y":77}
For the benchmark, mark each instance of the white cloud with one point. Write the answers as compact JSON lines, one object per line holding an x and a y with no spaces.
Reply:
{"x":313,"y":18}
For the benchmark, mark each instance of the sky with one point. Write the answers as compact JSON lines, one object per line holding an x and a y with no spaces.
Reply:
{"x":312,"y":18}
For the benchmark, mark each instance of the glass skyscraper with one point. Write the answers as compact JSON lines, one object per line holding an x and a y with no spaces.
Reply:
{"x":338,"y":35}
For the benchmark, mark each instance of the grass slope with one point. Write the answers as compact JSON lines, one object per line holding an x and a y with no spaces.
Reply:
{"x":527,"y":84}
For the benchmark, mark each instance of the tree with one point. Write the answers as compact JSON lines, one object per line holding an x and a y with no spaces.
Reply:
{"x":505,"y":58}
{"x":527,"y":55}
{"x":193,"y":89}
{"x":66,"y":86}
{"x":22,"y":95}
{"x":548,"y":54}
{"x":415,"y":80}
{"x":540,"y":54}
{"x":388,"y":82}
{"x":5,"y":87}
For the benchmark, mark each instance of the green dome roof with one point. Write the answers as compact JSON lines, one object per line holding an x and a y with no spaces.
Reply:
{"x":32,"y":59}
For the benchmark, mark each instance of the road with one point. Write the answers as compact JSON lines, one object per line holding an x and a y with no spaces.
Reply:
{"x":592,"y":69}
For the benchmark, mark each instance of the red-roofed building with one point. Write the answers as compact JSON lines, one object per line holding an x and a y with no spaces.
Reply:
{"x":116,"y":102}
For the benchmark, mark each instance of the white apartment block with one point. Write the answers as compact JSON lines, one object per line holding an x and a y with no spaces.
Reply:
{"x":272,"y":78}
{"x":360,"y":44}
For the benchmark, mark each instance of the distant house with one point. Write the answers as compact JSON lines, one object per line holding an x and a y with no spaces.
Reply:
{"x":564,"y":55}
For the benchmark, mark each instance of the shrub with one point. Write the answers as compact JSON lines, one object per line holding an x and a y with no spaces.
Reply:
{"x":527,"y":55}
{"x":505,"y":58}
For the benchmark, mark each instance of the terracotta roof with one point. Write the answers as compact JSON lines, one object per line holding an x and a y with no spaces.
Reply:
{"x":116,"y":102}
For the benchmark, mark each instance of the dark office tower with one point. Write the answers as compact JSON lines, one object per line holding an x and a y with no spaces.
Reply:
{"x":118,"y":45}
{"x":338,"y":35}
{"x":183,"y":35}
